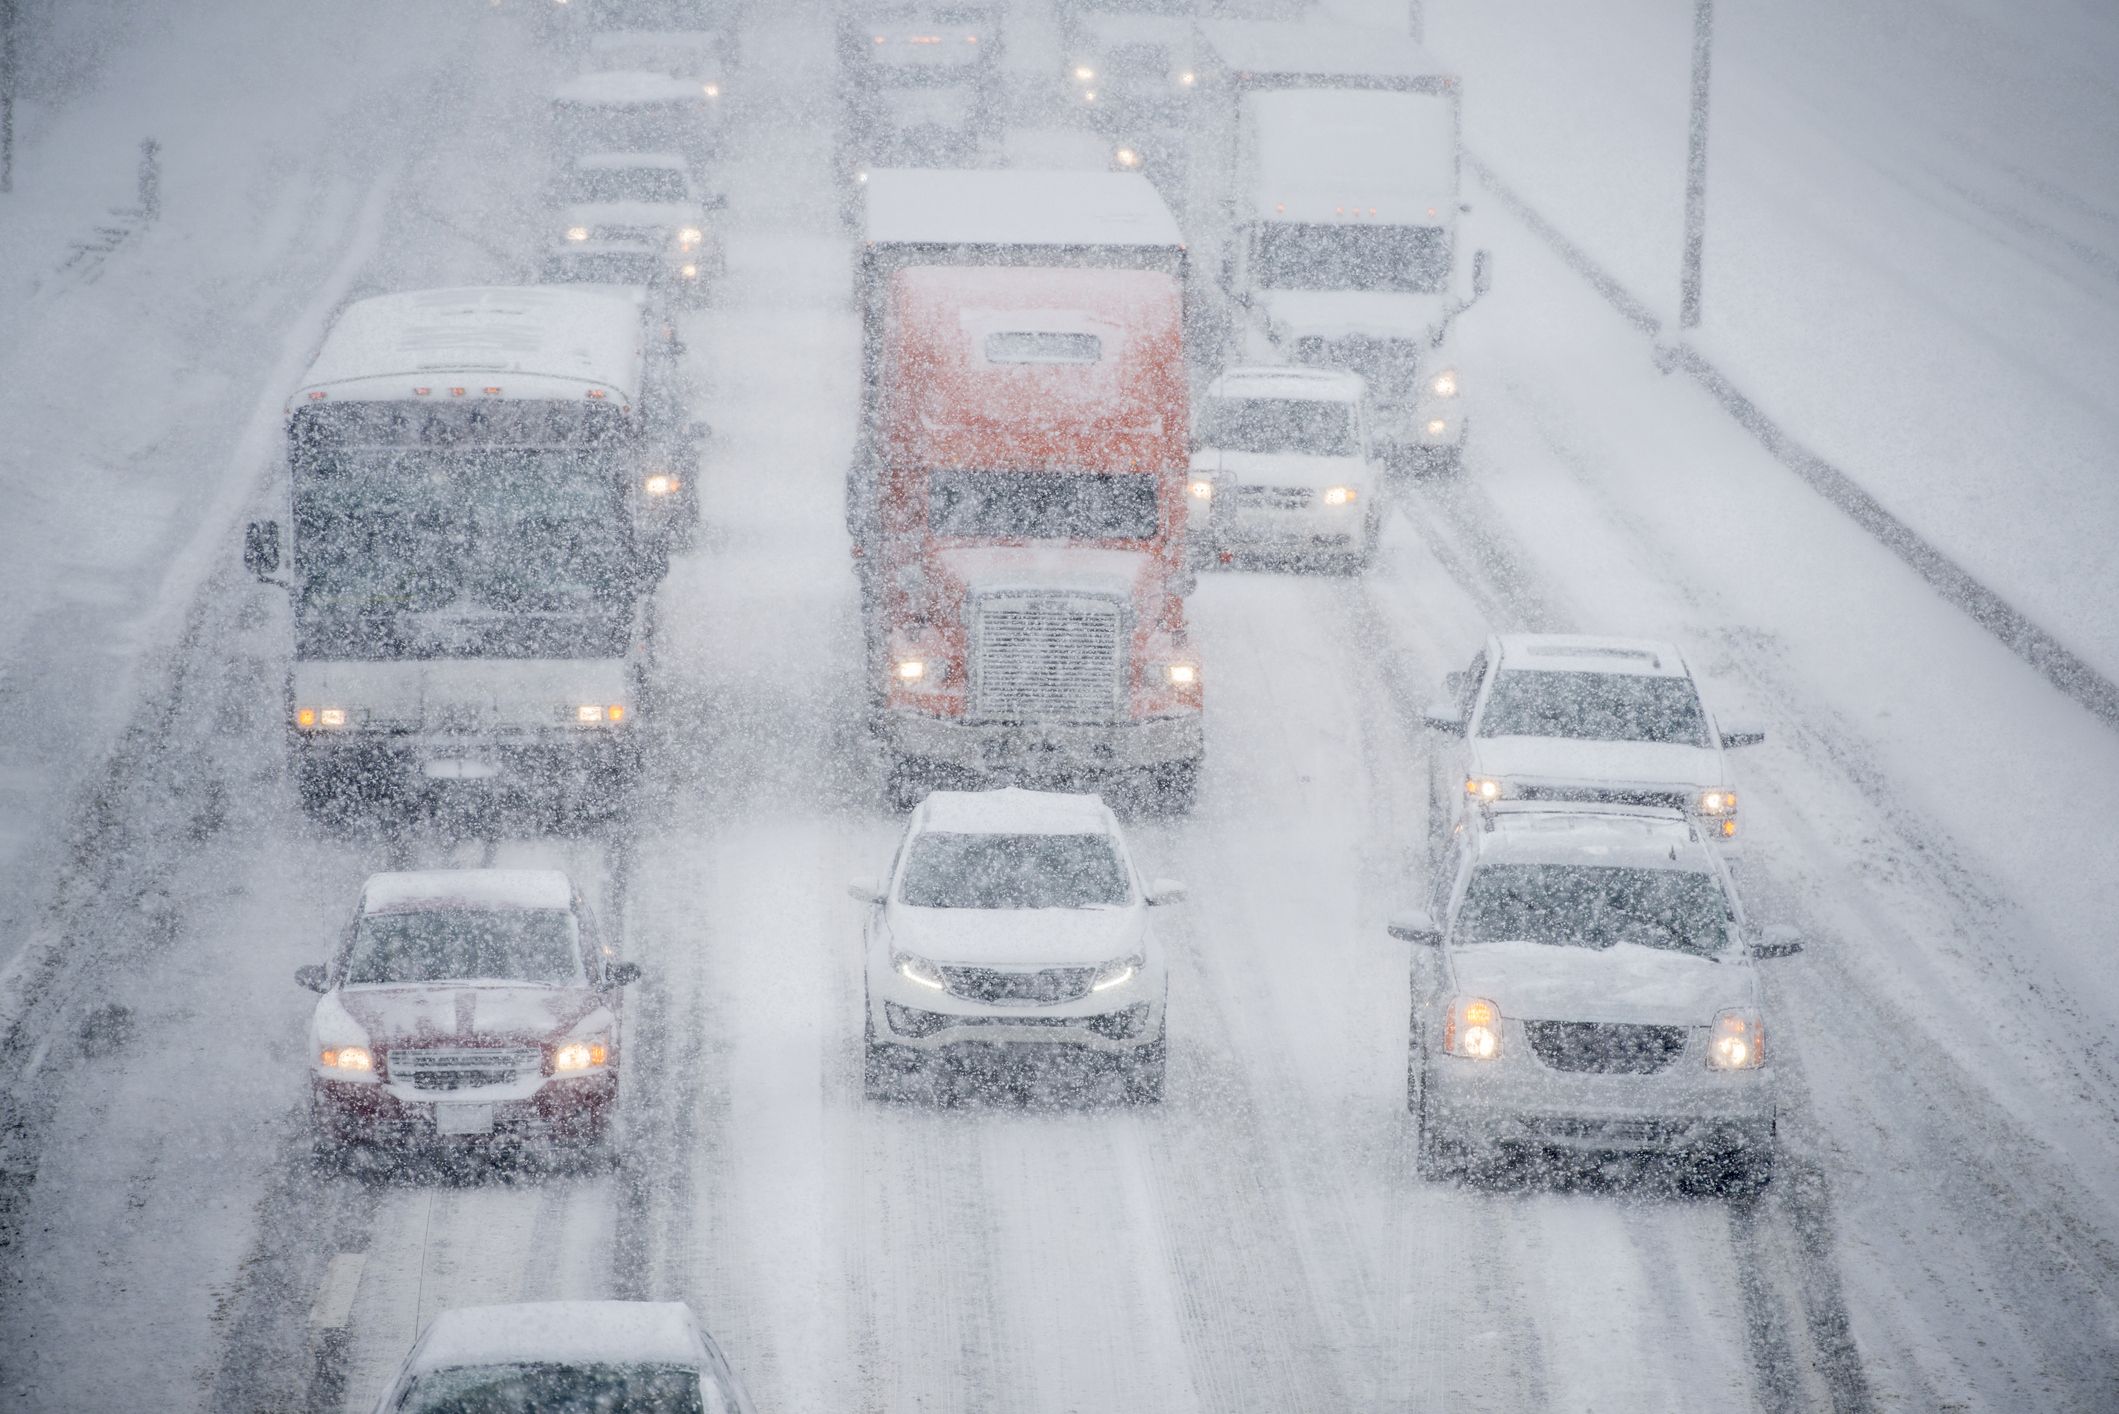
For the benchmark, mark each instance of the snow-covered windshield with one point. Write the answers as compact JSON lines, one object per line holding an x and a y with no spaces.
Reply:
{"x":464,"y":944}
{"x":1312,"y":426}
{"x":1594,"y":906}
{"x":949,"y":870}
{"x":460,"y":552}
{"x":594,"y":185}
{"x":1594,"y":707}
{"x":557,"y":1389}
{"x":1043,"y":505}
{"x":1300,"y":255}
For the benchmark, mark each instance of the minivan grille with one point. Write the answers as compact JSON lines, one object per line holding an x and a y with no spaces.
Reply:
{"x":1048,"y":986}
{"x":1606,"y":1047}
{"x":1047,"y":658}
{"x":437,"y":1069}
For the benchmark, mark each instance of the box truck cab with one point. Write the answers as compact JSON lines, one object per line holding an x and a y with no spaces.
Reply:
{"x":1020,"y":508}
{"x":1335,"y":180}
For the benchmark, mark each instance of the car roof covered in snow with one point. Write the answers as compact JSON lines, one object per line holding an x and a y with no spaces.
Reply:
{"x":1586,"y":653}
{"x":561,"y":1332}
{"x":1017,"y":207}
{"x":553,"y":342}
{"x":1283,"y":381}
{"x":1015,"y":811}
{"x":1616,"y":836}
{"x":412,"y":890}
{"x":1305,"y":54}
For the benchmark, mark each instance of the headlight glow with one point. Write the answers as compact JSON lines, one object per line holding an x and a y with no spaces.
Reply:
{"x":1084,"y":72}
{"x":1188,"y":78}
{"x":1718,"y":800}
{"x":1126,"y":157}
{"x":918,"y":970}
{"x":662,"y":484}
{"x":1118,"y":973}
{"x":590,"y":713}
{"x":1340,"y":495}
{"x":357,"y":1058}
{"x":1181,"y":674}
{"x":690,"y":236}
{"x":332,"y":716}
{"x":909,"y":669}
{"x":689,"y":272}
{"x":1482,"y":788}
{"x":579,"y":1055}
{"x":577,"y":233}
{"x":1472,"y":1028}
{"x":1445,"y":384}
{"x":1201,"y":489}
{"x":712,"y":90}
{"x":1436,"y":427}
{"x":1737,"y":1042}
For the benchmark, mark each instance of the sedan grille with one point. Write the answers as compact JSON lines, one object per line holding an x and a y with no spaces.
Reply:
{"x":1603,"y":1047}
{"x":1048,"y":658}
{"x":1270,"y":498}
{"x":1048,"y":986}
{"x":463,"y":1069}
{"x":1606,"y":795}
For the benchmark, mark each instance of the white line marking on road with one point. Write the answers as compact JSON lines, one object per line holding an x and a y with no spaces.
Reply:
{"x":334,"y":1299}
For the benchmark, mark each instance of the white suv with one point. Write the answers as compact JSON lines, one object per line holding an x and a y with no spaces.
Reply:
{"x":1013,"y":926}
{"x":1281,"y":464}
{"x":1586,"y":983}
{"x":1562,"y":717}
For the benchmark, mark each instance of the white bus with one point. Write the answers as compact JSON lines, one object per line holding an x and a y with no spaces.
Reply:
{"x":471,"y":558}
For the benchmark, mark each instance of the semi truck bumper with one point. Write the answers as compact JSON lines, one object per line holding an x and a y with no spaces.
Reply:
{"x":1043,"y":750}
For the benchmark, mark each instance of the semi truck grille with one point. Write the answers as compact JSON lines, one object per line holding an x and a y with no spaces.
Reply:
{"x":1035,"y":658}
{"x":1604,"y":1047}
{"x":463,"y":1069}
{"x":1049,"y":986}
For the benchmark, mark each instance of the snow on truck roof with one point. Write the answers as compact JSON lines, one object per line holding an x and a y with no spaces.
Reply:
{"x":1015,"y":811}
{"x":1275,"y":53}
{"x":1273,"y":380}
{"x":1018,"y":207}
{"x":467,"y":888}
{"x":1582,"y":653}
{"x":580,"y":337}
{"x":561,"y":1332}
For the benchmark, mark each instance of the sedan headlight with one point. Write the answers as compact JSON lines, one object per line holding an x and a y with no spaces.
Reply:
{"x":1340,"y":495}
{"x":918,"y":970}
{"x":1118,"y":973}
{"x":1472,"y":1029}
{"x":1737,"y":1042}
{"x":1445,"y":383}
{"x":1482,"y":790}
{"x":577,"y":233}
{"x":358,"y":1059}
{"x":579,"y":1056}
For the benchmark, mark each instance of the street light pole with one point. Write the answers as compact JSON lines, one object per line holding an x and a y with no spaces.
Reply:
{"x":7,"y":95}
{"x":1696,"y":167}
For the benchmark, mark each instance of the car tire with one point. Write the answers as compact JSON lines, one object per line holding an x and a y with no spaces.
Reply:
{"x":1144,"y":1071}
{"x":1435,"y":1158}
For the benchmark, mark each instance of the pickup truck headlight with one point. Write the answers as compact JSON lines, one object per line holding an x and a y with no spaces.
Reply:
{"x":1445,"y":383}
{"x":1472,"y":1029}
{"x":918,"y":970}
{"x":1737,"y":1041}
{"x":1117,"y":973}
{"x":589,"y":714}
{"x":1340,"y":495}
{"x":357,"y":1059}
{"x":576,"y":1056}
{"x":1482,"y":789}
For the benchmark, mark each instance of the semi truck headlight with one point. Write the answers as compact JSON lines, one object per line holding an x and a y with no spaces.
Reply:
{"x":1118,"y":973}
{"x":1737,"y":1042}
{"x":579,"y":1055}
{"x":909,"y":669}
{"x":663,"y":484}
{"x":1340,"y":495}
{"x":1181,"y":674}
{"x":354,"y":1058}
{"x":1445,"y":384}
{"x":577,"y":233}
{"x":1187,"y":79}
{"x":1482,"y":789}
{"x":917,"y":969}
{"x":1472,"y":1029}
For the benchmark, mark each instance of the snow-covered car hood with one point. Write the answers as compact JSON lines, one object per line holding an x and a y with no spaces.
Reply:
{"x":1084,"y":569}
{"x":1335,"y":314}
{"x":1625,"y":983}
{"x":1017,"y":937}
{"x":484,"y":1012}
{"x":1617,"y":763}
{"x":667,"y":214}
{"x":1282,"y":469}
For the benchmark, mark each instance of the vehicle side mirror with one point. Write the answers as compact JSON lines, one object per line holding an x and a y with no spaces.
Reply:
{"x":1743,"y":734}
{"x":1164,"y":892}
{"x":314,"y":977}
{"x":867,"y":890}
{"x":621,"y":974}
{"x":1443,"y":717}
{"x":261,"y":548}
{"x":1417,"y":926}
{"x":1482,"y":272}
{"x":1777,"y":940}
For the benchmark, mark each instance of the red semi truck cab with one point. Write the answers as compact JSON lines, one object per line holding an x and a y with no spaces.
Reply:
{"x":1028,"y":614}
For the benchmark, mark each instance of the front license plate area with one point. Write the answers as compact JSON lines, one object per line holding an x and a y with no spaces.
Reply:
{"x":463,"y":1119}
{"x":459,"y":768}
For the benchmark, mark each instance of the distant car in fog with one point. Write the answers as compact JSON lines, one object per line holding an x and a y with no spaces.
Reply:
{"x":636,"y":218}
{"x":469,"y":1008}
{"x":1585,"y":983}
{"x":1565,"y":717}
{"x":558,"y":1357}
{"x":1014,"y":927}
{"x":1281,"y":464}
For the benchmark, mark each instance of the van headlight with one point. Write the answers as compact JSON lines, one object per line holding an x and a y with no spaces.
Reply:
{"x":1737,"y":1041}
{"x":1117,"y":973}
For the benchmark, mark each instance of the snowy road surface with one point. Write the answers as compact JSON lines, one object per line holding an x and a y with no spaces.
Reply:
{"x":1942,"y":1235}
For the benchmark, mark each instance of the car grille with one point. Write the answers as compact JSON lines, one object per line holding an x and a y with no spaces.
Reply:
{"x":1265,"y":498}
{"x":1607,"y":1048}
{"x":1604,"y":1131}
{"x":463,"y":1069}
{"x":1047,"y":658}
{"x":1606,"y":795}
{"x":1048,"y":986}
{"x":1111,"y":1025}
{"x":649,"y":234}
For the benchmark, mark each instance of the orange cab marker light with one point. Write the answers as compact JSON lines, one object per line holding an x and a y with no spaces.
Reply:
{"x":492,"y":392}
{"x":615,"y":712}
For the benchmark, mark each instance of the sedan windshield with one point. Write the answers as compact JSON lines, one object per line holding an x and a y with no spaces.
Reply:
{"x":1014,"y":871}
{"x":557,"y":1389}
{"x":1043,"y":505}
{"x":463,"y":945}
{"x":1312,"y":426}
{"x":1594,"y":907}
{"x":595,"y":185}
{"x":1595,"y":707}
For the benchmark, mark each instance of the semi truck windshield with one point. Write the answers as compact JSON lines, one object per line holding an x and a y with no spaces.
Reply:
{"x":1043,"y":505}
{"x":1301,"y":255}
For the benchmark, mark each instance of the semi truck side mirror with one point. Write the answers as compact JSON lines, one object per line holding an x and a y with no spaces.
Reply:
{"x":1482,"y":272}
{"x":261,"y":549}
